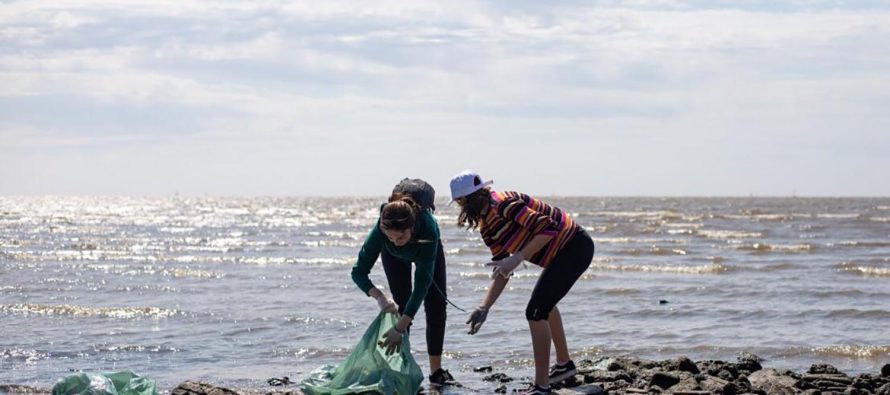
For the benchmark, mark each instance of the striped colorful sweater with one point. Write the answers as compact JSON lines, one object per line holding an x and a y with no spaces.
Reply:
{"x":514,"y":219}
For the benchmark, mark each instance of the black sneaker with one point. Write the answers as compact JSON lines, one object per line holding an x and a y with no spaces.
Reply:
{"x":536,"y":390}
{"x":559,"y":373}
{"x":442,"y":377}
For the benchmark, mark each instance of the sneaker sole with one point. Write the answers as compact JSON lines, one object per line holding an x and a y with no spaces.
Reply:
{"x":563,"y":376}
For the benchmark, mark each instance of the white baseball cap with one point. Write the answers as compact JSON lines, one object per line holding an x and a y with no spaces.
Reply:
{"x":465,"y":183}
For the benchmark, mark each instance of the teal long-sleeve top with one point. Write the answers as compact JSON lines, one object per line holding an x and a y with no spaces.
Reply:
{"x":421,"y":250}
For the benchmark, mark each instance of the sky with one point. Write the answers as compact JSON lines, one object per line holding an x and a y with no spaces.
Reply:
{"x":309,"y":98}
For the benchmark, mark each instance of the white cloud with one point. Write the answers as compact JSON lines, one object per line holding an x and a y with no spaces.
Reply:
{"x":216,"y":74}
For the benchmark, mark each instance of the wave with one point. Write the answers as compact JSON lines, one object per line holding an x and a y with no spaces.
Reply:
{"x":149,"y":270}
{"x":872,"y":271}
{"x":860,"y":243}
{"x":84,"y":311}
{"x":636,"y":240}
{"x":683,"y":269}
{"x":766,"y":248}
{"x":657,"y":251}
{"x":727,"y":234}
{"x":20,"y":355}
{"x":880,"y":219}
{"x":846,"y":351}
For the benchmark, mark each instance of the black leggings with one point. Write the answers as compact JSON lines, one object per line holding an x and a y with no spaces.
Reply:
{"x":398,"y":275}
{"x":558,"y":278}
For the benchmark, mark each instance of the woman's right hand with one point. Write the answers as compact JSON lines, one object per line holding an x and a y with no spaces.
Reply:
{"x":477,"y":318}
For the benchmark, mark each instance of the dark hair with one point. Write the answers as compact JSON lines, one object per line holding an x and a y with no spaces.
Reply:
{"x":471,"y":211}
{"x":400,"y":213}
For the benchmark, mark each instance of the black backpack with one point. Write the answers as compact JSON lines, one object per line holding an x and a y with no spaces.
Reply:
{"x":419,"y":190}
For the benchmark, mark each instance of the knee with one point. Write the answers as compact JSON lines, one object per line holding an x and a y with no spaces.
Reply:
{"x":536,"y":313}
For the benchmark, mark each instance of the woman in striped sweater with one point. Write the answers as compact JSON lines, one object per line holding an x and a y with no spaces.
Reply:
{"x":517,"y":227}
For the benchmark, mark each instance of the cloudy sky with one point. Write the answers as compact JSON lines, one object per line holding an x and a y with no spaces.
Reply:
{"x":645,"y":97}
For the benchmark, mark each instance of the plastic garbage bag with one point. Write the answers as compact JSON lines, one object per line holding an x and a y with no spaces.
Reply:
{"x":368,"y":369}
{"x":119,"y":383}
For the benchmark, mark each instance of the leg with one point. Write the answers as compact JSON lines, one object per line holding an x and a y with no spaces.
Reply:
{"x":559,"y":336}
{"x":553,"y":284}
{"x":434,"y":307}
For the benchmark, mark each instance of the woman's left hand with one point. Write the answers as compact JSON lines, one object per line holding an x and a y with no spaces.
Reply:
{"x":391,"y":341}
{"x":506,"y":266}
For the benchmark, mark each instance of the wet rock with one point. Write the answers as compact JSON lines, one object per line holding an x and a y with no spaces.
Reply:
{"x":663,"y":380}
{"x":482,"y":369}
{"x":883,"y":390}
{"x":823,"y":368}
{"x":772,"y":382}
{"x":501,"y":390}
{"x":885,"y":370}
{"x":602,"y":376}
{"x":748,"y":362}
{"x":499,"y":377}
{"x":726,"y":374}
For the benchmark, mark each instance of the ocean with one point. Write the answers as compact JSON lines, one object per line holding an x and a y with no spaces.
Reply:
{"x":235,"y":291}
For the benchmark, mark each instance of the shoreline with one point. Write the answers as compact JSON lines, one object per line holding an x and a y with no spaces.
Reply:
{"x":624,"y":375}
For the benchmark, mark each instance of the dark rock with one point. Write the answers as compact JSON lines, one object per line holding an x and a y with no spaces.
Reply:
{"x":823,"y":368}
{"x":663,"y":380}
{"x":883,"y":390}
{"x":480,"y":369}
{"x":499,"y":377}
{"x":662,"y":301}
{"x":885,"y":370}
{"x":615,"y":366}
{"x":855,"y":391}
{"x":770,"y":381}
{"x":811,"y":392}
{"x":601,"y":376}
{"x":749,"y":362}
{"x":726,"y":374}
{"x":501,"y":390}
{"x":683,"y":364}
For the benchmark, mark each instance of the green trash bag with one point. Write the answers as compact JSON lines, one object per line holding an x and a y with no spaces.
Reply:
{"x":120,"y":383}
{"x":368,"y":369}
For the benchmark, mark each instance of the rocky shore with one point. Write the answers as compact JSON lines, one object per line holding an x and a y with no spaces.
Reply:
{"x":628,"y":375}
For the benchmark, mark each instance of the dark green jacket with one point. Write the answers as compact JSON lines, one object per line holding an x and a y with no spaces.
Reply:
{"x":421,"y":250}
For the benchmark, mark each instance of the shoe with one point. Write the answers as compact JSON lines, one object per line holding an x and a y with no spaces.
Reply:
{"x":442,"y":377}
{"x":536,"y":390}
{"x":559,"y":373}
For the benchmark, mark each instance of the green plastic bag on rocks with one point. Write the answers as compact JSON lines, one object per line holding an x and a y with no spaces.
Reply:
{"x":120,"y":383}
{"x":368,"y":369}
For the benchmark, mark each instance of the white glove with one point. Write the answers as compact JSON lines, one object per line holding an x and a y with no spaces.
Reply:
{"x":506,"y":266}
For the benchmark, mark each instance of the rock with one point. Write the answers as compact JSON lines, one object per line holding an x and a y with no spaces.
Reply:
{"x":749,"y":362}
{"x":811,"y":392}
{"x":588,"y":389}
{"x":684,"y":386}
{"x":823,"y":368}
{"x":683,"y":364}
{"x":663,"y":380}
{"x":770,"y":381}
{"x":601,"y":376}
{"x":499,"y":377}
{"x":726,"y":374}
{"x":200,"y":388}
{"x":712,"y":384}
{"x":21,"y":389}
{"x":885,"y":370}
{"x":883,"y":390}
{"x":482,"y":369}
{"x":501,"y":390}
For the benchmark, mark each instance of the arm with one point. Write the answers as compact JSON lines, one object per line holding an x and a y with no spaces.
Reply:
{"x":367,"y":256}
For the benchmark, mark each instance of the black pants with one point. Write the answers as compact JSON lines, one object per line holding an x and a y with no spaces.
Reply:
{"x":560,"y":275}
{"x":398,"y":275}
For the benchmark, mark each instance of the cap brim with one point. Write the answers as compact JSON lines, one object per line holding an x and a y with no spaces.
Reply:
{"x":478,"y":187}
